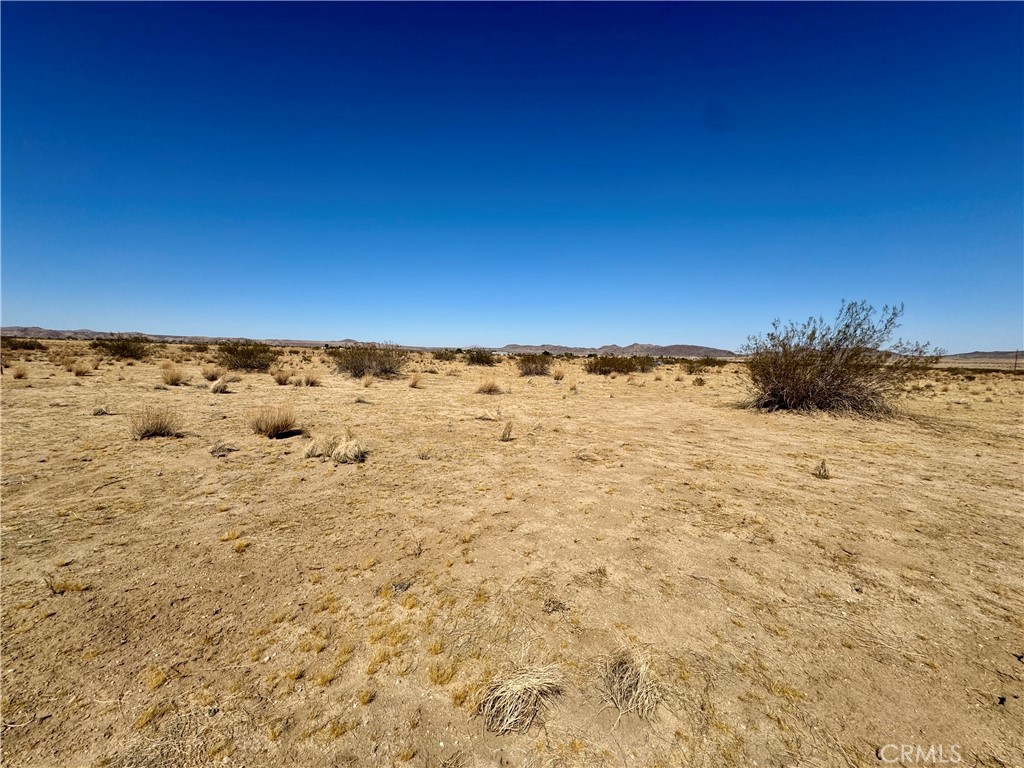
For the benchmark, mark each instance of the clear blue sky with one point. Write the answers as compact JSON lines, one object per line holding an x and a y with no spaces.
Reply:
{"x":457,"y":174}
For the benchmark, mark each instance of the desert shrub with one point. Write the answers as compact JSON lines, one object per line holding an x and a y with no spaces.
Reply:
{"x":12,"y":343}
{"x":608,"y":364}
{"x":693,"y":367}
{"x":219,"y":387}
{"x":480,"y":357}
{"x":81,"y":368}
{"x":273,"y":420}
{"x":310,"y":380}
{"x":558,"y":374}
{"x":198,"y":347}
{"x":699,"y":381}
{"x":123,"y":347}
{"x":246,"y":355}
{"x":712,"y":362}
{"x":281,"y":376}
{"x":19,"y":372}
{"x":843,"y":366}
{"x":534,"y":365}
{"x":213,"y":372}
{"x":154,"y":422}
{"x":415,"y":381}
{"x":380,"y":360}
{"x":445,"y":355}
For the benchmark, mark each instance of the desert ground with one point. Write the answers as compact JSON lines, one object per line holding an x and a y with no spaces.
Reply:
{"x":216,"y":598}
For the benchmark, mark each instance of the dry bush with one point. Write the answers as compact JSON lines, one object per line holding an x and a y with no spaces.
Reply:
{"x":698,"y":381}
{"x":19,"y":372}
{"x":30,"y":345}
{"x":631,"y":684}
{"x":172,"y":375}
{"x":837,"y":367}
{"x":415,"y":381}
{"x":281,"y":376}
{"x":123,"y":347}
{"x":213,"y":372}
{"x":821,"y":471}
{"x":367,"y":380}
{"x":219,"y":387}
{"x":558,"y":374}
{"x":101,"y":410}
{"x":480,"y":357}
{"x":349,"y":452}
{"x":246,"y":355}
{"x":511,"y":703}
{"x":534,"y":365}
{"x":321,"y":447}
{"x":273,"y":420}
{"x":506,"y":433}
{"x":81,"y":368}
{"x":609,"y":364}
{"x":380,"y":360}
{"x":445,"y":355}
{"x":310,"y":380}
{"x":488,"y":386}
{"x":154,"y":422}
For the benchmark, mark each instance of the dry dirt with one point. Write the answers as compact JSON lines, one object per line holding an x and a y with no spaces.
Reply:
{"x":166,"y":606}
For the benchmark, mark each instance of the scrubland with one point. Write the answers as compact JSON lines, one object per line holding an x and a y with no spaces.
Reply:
{"x":466,"y":566}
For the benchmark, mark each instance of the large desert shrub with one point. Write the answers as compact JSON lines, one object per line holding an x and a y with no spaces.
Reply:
{"x":123,"y":347}
{"x":607,"y":364}
{"x":480,"y":357}
{"x":445,"y":355}
{"x":12,"y":343}
{"x":380,"y":360}
{"x":246,"y":355}
{"x":534,"y":365}
{"x":849,"y":365}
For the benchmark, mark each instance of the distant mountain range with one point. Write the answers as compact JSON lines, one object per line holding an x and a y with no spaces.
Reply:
{"x":655,"y":350}
{"x":673,"y":350}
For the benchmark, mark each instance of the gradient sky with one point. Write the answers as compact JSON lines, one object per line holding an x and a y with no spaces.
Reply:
{"x":459,"y":174}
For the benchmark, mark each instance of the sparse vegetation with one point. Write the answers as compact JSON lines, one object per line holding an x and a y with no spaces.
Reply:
{"x":273,"y":421}
{"x":842,"y":366}
{"x":281,"y":376}
{"x":480,"y":357}
{"x":246,"y":355}
{"x":172,"y":375}
{"x":821,"y":471}
{"x":14,"y":343}
{"x":415,"y":381}
{"x":123,"y":347}
{"x":506,"y":433}
{"x":609,"y":364}
{"x":380,"y":360}
{"x":534,"y":365}
{"x":445,"y":355}
{"x":19,"y":372}
{"x":220,"y":386}
{"x":153,"y":422}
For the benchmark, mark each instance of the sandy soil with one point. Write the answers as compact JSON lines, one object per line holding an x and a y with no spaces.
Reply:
{"x":166,"y":606}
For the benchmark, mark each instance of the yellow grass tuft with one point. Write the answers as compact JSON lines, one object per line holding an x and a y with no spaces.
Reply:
{"x":631,"y":684}
{"x":153,"y":422}
{"x":488,"y":386}
{"x":213,"y":372}
{"x":172,"y":375}
{"x":273,"y":420}
{"x":415,"y":381}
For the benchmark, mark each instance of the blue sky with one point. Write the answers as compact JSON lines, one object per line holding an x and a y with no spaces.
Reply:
{"x":459,"y":174}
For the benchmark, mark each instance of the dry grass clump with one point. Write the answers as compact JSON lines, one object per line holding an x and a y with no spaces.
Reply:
{"x":82,"y":368}
{"x":488,"y":386}
{"x":281,"y":376}
{"x":153,"y":422}
{"x":558,"y":374}
{"x":367,"y":380}
{"x":213,"y":372}
{"x":511,"y":703}
{"x":310,"y":380}
{"x":219,"y":387}
{"x":698,"y":381}
{"x":349,"y":452}
{"x":101,"y":410}
{"x":273,"y":421}
{"x":19,"y":372}
{"x":631,"y":684}
{"x":506,"y":433}
{"x":171,"y":374}
{"x":415,"y":381}
{"x":821,"y":471}
{"x":321,"y":447}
